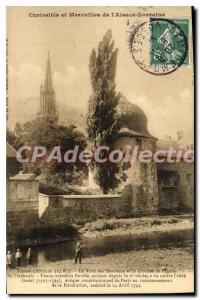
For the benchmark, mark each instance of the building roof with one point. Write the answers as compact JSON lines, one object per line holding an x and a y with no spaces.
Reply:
{"x":131,"y":119}
{"x":21,"y":176}
{"x":10,"y":151}
{"x":126,"y":132}
{"x":166,"y":144}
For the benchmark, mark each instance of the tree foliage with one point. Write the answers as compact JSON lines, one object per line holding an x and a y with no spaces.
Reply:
{"x":102,"y":126}
{"x":44,"y":132}
{"x":13,"y":139}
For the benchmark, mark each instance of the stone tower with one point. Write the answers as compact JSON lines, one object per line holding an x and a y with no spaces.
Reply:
{"x":140,"y":182}
{"x":48,"y":107}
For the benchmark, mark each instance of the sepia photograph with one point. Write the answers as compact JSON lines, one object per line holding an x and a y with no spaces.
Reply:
{"x":100,"y":150}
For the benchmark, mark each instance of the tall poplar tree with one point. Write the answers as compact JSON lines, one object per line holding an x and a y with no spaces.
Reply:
{"x":101,"y":120}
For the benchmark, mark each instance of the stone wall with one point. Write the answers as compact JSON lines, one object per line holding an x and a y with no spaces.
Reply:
{"x":82,"y":208}
{"x":22,"y":202}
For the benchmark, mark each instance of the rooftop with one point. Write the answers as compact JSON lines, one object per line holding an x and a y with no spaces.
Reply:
{"x":132,"y":120}
{"x":21,"y":176}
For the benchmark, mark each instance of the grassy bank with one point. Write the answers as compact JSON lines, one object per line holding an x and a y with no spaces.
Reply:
{"x":56,"y":233}
{"x":137,"y":225}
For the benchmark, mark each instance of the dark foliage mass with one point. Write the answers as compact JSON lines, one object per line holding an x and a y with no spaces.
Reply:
{"x":102,"y":126}
{"x":43,"y":231}
{"x":44,"y":132}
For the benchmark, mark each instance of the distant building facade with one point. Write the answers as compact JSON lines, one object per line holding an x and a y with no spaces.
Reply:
{"x":48,"y":106}
{"x":175,"y":182}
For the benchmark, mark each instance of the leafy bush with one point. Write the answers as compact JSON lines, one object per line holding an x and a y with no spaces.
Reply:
{"x":54,"y":190}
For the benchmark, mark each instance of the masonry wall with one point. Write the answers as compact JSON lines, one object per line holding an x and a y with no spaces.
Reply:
{"x":22,"y":203}
{"x":82,"y":208}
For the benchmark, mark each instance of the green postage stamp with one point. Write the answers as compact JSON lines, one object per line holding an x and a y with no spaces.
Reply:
{"x":169,"y":41}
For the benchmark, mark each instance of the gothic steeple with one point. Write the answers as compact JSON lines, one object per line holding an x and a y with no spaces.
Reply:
{"x":48,"y":107}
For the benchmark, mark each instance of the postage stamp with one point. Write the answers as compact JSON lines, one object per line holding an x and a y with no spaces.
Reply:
{"x":160,"y":46}
{"x":169,"y":41}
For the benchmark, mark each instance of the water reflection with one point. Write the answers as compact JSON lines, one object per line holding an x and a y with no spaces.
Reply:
{"x":113,"y":244}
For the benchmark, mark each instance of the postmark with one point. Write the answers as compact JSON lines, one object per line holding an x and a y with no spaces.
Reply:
{"x":160,"y":46}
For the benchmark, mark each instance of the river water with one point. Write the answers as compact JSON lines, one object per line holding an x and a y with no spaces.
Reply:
{"x":114,"y":244}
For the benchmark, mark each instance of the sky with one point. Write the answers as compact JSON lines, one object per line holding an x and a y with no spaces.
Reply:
{"x":166,"y":100}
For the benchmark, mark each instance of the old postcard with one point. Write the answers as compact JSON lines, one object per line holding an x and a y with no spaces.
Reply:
{"x":100,"y":150}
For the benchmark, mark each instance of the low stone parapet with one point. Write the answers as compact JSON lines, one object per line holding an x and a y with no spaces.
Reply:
{"x":82,"y":208}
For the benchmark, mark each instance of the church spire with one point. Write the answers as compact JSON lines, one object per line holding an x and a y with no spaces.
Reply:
{"x":48,"y":107}
{"x":48,"y":81}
